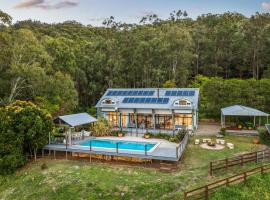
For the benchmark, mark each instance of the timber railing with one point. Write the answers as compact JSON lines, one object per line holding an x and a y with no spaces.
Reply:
{"x":242,"y":159}
{"x":182,"y":146}
{"x":205,"y":191}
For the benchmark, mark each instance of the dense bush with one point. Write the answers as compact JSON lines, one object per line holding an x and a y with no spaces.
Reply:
{"x":23,"y":129}
{"x":264,"y":136}
{"x":102,"y":128}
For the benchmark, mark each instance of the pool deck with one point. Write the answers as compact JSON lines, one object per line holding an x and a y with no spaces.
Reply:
{"x":165,"y":150}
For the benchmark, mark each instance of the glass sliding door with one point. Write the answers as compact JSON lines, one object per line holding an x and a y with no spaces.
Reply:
{"x":112,"y":118}
{"x":145,"y":121}
{"x":183,"y":119}
{"x":164,"y":122}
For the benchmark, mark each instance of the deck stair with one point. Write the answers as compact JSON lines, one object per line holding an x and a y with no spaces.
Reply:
{"x":168,"y":166}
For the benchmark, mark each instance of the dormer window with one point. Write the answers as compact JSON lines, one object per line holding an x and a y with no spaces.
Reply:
{"x":108,"y":101}
{"x":182,"y":102}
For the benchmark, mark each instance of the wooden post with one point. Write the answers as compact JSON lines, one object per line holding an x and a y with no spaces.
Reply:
{"x":90,"y":149}
{"x":66,"y":154}
{"x":206,"y":192}
{"x":117,"y":147}
{"x":262,"y":170}
{"x":226,"y":163}
{"x":211,"y":168}
{"x":185,"y":196}
{"x":54,"y":154}
{"x":42,"y":153}
{"x":256,"y":157}
{"x":145,"y":149}
{"x":242,"y":160}
{"x":227,"y":182}
{"x":245,"y":176}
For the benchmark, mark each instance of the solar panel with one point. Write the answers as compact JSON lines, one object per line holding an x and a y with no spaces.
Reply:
{"x":179,"y":93}
{"x":191,"y":93}
{"x":109,"y":93}
{"x":131,"y":93}
{"x":146,"y":100}
{"x":185,"y":93}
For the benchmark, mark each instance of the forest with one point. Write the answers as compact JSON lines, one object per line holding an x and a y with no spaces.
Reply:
{"x":66,"y":67}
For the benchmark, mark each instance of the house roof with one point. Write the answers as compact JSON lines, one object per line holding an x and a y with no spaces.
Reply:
{"x":162,"y":98}
{"x":268,"y":127}
{"x":238,"y":110}
{"x":77,"y":119}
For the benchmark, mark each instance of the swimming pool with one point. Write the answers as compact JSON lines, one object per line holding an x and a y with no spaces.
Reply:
{"x":112,"y":144}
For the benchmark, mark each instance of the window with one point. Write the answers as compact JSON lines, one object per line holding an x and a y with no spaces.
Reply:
{"x":108,"y":101}
{"x":182,"y":102}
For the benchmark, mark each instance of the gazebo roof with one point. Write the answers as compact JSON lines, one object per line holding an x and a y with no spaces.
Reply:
{"x":77,"y":119}
{"x":238,"y":110}
{"x":268,"y":127}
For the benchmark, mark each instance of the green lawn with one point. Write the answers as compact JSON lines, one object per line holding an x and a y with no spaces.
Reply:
{"x":256,"y":188}
{"x":80,"y":180}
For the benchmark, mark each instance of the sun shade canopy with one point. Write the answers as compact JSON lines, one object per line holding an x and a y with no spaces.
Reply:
{"x":238,"y":110}
{"x":77,"y":119}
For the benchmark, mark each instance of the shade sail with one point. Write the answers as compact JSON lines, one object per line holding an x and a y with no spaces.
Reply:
{"x":238,"y":110}
{"x":77,"y":119}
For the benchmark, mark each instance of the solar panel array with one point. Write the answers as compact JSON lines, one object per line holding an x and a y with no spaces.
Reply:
{"x":146,"y":100}
{"x":179,"y":93}
{"x":130,"y":93}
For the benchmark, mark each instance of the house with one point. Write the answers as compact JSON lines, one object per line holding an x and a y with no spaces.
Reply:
{"x":151,"y":109}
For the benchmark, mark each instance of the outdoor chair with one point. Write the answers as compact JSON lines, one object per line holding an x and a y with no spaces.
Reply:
{"x":230,"y":145}
{"x":206,"y":140}
{"x":220,"y":141}
{"x":197,"y":141}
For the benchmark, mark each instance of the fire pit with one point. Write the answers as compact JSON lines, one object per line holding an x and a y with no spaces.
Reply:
{"x":211,"y":144}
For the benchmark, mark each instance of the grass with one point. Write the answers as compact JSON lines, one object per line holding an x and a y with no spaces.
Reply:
{"x":79,"y":180}
{"x":256,"y":188}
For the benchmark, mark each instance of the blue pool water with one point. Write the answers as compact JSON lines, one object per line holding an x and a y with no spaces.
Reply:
{"x":126,"y":145}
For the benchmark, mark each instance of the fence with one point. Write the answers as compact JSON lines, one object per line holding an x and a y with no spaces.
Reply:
{"x":239,"y":160}
{"x":182,"y":146}
{"x":205,"y":191}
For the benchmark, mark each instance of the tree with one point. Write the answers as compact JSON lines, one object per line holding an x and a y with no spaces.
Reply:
{"x":24,"y":128}
{"x":5,"y":19}
{"x":169,"y":84}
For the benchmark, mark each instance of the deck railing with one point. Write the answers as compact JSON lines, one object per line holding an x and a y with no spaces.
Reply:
{"x":182,"y":146}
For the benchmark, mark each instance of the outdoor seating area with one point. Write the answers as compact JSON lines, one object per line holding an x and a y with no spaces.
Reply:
{"x":215,"y":144}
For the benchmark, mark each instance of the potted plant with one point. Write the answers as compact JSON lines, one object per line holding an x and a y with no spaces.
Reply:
{"x":120,"y":134}
{"x":239,"y":126}
{"x":146,"y":135}
{"x":256,"y":140}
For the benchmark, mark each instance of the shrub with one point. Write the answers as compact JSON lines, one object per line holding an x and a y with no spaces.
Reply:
{"x":223,"y":131}
{"x":115,"y":133}
{"x":44,"y":166}
{"x":181,"y":134}
{"x":102,"y":128}
{"x":264,"y":136}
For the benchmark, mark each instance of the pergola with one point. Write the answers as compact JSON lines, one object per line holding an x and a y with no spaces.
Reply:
{"x":73,"y":121}
{"x":241,"y":111}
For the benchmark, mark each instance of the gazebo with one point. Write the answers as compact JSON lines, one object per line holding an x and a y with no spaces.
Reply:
{"x":74,"y":120}
{"x":267,"y":127}
{"x":242,"y":111}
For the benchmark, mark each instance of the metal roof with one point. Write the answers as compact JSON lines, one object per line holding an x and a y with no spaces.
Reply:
{"x":77,"y":119}
{"x":238,"y":110}
{"x":268,"y":127}
{"x":190,"y":94}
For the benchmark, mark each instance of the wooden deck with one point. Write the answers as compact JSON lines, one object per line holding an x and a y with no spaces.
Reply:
{"x":165,"y":151}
